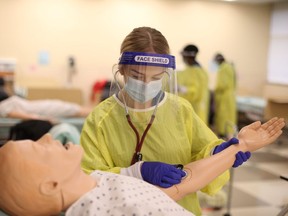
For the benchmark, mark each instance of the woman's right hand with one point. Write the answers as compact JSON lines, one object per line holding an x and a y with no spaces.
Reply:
{"x":161,"y":174}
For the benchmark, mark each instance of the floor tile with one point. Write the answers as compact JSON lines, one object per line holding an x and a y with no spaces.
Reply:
{"x":257,"y":189}
{"x":241,"y":198}
{"x":251,"y":173}
{"x":273,"y":192}
{"x":267,"y":157}
{"x":274,"y":168}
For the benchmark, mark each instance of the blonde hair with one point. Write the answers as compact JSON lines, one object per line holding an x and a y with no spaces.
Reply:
{"x":145,"y":39}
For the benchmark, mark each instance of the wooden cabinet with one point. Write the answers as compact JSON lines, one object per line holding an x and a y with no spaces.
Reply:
{"x":276,"y":108}
{"x":277,"y":101}
{"x":73,"y":95}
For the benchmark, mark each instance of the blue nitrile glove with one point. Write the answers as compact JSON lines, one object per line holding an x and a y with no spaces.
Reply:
{"x":225,"y":145}
{"x":241,"y":157}
{"x":161,"y":174}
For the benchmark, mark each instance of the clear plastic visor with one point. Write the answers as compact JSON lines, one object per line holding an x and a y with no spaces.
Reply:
{"x":142,"y":87}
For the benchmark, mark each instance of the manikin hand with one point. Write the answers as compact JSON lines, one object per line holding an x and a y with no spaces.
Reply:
{"x":257,"y":135}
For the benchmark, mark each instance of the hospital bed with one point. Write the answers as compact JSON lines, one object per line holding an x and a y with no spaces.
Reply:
{"x":252,"y":107}
{"x":7,"y":123}
{"x":260,"y":109}
{"x":73,"y":95}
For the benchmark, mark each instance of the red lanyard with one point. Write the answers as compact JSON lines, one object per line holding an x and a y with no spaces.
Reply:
{"x":137,"y":156}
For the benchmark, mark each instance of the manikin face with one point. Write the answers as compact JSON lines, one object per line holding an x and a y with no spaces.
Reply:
{"x":62,"y":160}
{"x":42,"y":177}
{"x":38,"y":172}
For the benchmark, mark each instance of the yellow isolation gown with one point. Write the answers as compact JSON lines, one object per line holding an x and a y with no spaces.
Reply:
{"x":225,"y":100}
{"x":178,"y":138}
{"x":195,"y":80}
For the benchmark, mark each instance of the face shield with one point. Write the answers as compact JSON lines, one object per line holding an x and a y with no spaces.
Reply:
{"x":141,"y":79}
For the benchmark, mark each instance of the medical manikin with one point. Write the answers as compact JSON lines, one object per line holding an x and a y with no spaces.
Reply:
{"x":45,"y":178}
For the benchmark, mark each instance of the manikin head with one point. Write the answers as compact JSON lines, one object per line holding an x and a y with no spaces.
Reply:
{"x":38,"y":178}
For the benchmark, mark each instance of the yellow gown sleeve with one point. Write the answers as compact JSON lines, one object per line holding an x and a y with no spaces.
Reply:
{"x":96,"y":154}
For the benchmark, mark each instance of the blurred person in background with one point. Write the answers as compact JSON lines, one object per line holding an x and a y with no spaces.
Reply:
{"x":193,"y":82}
{"x":225,"y":98}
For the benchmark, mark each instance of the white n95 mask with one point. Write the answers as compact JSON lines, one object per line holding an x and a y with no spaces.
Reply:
{"x":142,"y":92}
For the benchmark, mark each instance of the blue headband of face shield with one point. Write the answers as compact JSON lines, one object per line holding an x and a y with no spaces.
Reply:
{"x":147,"y":59}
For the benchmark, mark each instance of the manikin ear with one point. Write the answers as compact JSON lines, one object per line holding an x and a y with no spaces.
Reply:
{"x":49,"y":187}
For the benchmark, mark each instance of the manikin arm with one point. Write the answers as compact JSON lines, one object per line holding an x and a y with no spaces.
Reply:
{"x":83,"y":112}
{"x":27,"y":116}
{"x":200,"y":173}
{"x":22,"y":115}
